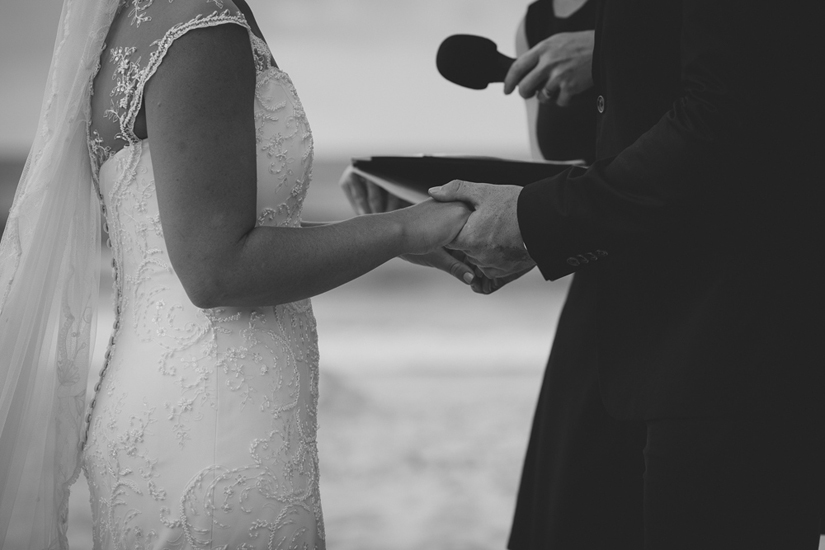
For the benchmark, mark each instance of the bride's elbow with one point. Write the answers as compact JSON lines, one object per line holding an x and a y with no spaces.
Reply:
{"x":205,"y":292}
{"x":204,"y":301}
{"x":206,"y":273}
{"x":205,"y":281}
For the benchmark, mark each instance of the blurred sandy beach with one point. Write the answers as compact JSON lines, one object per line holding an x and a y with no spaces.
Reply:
{"x":427,"y":394}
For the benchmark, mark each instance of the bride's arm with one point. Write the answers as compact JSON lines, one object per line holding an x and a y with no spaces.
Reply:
{"x":199,"y":108}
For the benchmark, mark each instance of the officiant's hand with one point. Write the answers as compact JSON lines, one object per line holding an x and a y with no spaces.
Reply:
{"x":367,"y":198}
{"x":491,"y":238}
{"x":557,"y":68}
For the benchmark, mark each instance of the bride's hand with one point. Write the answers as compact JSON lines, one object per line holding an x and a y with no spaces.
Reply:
{"x":430,"y":224}
{"x":482,"y":284}
{"x":449,"y":261}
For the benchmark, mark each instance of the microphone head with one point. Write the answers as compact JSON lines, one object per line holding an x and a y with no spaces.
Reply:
{"x":471,"y":61}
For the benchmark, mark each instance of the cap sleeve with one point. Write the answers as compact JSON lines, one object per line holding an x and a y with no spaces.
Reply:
{"x":138,"y":41}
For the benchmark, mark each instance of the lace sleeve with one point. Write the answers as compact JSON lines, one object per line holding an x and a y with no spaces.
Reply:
{"x":139,"y":39}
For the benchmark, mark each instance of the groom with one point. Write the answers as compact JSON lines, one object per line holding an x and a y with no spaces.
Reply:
{"x":698,"y":233}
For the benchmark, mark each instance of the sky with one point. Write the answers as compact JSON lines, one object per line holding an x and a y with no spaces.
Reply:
{"x":364,"y":69}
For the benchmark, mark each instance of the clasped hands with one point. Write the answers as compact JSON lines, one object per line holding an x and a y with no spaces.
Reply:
{"x":490,"y":240}
{"x":488,"y":248}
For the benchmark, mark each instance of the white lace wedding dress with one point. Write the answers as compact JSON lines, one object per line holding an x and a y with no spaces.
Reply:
{"x":202,"y":429}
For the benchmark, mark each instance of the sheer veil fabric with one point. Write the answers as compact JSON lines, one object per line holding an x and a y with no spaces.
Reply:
{"x":49,"y":264}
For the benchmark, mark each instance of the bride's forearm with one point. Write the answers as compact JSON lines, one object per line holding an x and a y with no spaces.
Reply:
{"x":275,"y":265}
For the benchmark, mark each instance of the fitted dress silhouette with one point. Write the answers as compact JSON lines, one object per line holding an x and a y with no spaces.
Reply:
{"x":202,"y":431}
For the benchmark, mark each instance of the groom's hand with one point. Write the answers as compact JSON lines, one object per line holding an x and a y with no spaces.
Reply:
{"x":491,"y":238}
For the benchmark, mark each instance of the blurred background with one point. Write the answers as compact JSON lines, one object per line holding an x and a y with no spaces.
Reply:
{"x":427,"y":390}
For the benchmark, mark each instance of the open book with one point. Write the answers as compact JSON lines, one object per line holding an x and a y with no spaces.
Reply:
{"x":409,"y":177}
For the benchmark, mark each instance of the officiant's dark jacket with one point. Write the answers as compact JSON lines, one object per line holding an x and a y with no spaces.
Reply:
{"x":698,"y":228}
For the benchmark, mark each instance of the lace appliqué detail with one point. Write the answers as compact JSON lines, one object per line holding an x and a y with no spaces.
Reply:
{"x":281,"y":109}
{"x":100,"y":152}
{"x":203,"y":435}
{"x":138,"y":11}
{"x":126,"y":467}
{"x":127,"y":79}
{"x":131,"y":75}
{"x":261,"y":53}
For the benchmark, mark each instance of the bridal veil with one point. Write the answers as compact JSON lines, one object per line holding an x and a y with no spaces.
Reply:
{"x":49,"y":265}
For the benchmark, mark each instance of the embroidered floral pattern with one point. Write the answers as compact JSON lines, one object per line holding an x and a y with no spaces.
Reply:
{"x":126,"y":78}
{"x":202,"y":430}
{"x":131,"y":75}
{"x":138,"y":11}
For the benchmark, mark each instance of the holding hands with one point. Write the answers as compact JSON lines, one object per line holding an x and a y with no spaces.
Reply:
{"x":490,"y":239}
{"x":469,"y":230}
{"x":430,"y":225}
{"x":366,"y":197}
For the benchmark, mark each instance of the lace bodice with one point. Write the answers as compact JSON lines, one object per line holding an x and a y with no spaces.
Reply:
{"x":138,"y":41}
{"x":142,"y":37}
{"x":202,"y":430}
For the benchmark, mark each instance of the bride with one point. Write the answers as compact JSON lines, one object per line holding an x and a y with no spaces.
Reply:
{"x":172,"y":117}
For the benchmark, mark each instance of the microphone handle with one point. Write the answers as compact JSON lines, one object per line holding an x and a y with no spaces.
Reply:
{"x":502,"y":65}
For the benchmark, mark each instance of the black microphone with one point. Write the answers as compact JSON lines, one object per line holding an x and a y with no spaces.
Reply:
{"x":471,"y":61}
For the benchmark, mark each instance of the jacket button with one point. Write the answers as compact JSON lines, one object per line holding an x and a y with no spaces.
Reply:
{"x":601,"y":253}
{"x":600,"y":103}
{"x":592,"y":256}
{"x":573,"y":261}
{"x":582,"y":259}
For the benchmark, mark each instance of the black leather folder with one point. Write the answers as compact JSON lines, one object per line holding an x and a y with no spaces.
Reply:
{"x":409,"y":177}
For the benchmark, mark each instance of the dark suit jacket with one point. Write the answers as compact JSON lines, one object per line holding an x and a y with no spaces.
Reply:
{"x":699,"y":225}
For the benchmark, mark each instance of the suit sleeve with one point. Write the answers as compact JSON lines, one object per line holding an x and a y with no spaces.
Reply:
{"x":680,"y":169}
